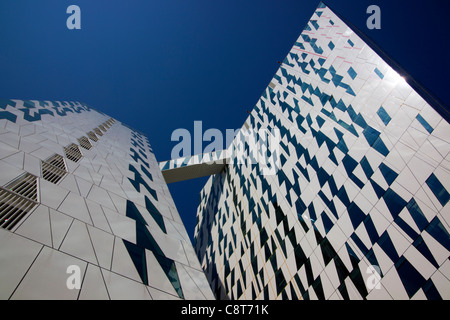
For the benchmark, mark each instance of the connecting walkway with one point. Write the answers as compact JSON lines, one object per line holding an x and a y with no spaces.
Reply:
{"x":192,"y":167}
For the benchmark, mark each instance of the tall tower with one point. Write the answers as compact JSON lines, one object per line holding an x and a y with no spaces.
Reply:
{"x":85,"y":212}
{"x":358,"y":206}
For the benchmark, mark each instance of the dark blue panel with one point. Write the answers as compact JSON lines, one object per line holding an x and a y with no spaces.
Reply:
{"x":360,"y":244}
{"x":381,"y":147}
{"x":336,"y":79}
{"x":166,"y":166}
{"x":312,"y":212}
{"x":411,"y":278}
{"x":384,"y":116}
{"x":333,"y":188}
{"x":137,"y":157}
{"x":371,"y":230}
{"x":430,"y":291}
{"x":373,"y":260}
{"x":329,"y":203}
{"x":342,"y":146}
{"x":323,"y":176}
{"x":327,"y":223}
{"x":438,"y":189}
{"x":422,"y":247}
{"x":349,"y":164}
{"x":360,"y":121}
{"x":388,"y":247}
{"x":378,"y":72}
{"x":356,"y":180}
{"x":157,"y":216}
{"x":342,"y":195}
{"x":133,"y":212}
{"x":352,"y":73}
{"x":438,"y":232}
{"x":350,"y":91}
{"x":424,"y":123}
{"x":343,"y":85}
{"x":388,"y":174}
{"x":341,"y":105}
{"x":371,"y":135}
{"x":394,"y":202}
{"x":28,"y":104}
{"x":417,"y":214}
{"x":144,"y":239}
{"x":406,"y":228}
{"x":378,"y":190}
{"x":318,"y":289}
{"x":358,"y":281}
{"x":36,"y":116}
{"x":137,"y":255}
{"x":8,"y":116}
{"x":300,"y":257}
{"x":320,"y":121}
{"x":299,"y":44}
{"x":148,"y":174}
{"x":6,"y":102}
{"x":138,"y":181}
{"x":171,"y":272}
{"x":368,"y":171}
{"x":356,"y":215}
{"x":351,"y":113}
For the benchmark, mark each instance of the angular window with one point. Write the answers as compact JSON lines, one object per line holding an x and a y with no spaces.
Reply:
{"x":54,"y":168}
{"x":102,"y":128}
{"x":73,"y":152}
{"x":98,"y":132}
{"x":92,"y":136}
{"x":110,"y":121}
{"x":84,"y":142}
{"x":17,"y":199}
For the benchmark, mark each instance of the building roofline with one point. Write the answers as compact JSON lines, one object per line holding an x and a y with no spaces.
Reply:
{"x":431,"y":99}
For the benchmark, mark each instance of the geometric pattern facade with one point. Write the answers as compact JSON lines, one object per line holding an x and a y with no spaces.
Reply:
{"x":100,"y":204}
{"x":359,"y":207}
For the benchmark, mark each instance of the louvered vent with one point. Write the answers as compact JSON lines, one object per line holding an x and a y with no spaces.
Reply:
{"x":73,"y":152}
{"x":17,"y":199}
{"x":110,"y":121}
{"x":54,"y":168}
{"x":98,"y":132}
{"x":102,"y":128}
{"x":84,"y":142}
{"x":92,"y":136}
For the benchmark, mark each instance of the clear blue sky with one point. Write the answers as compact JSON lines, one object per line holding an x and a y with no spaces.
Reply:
{"x":160,"y":65}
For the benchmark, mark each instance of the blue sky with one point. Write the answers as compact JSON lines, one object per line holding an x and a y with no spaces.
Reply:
{"x":160,"y":65}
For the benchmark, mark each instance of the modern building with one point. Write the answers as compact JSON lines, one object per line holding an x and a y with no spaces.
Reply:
{"x":85,"y":212}
{"x":336,"y":187}
{"x":359,"y":205}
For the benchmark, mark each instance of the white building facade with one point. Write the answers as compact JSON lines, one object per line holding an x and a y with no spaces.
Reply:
{"x":359,"y":205}
{"x":85,"y":212}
